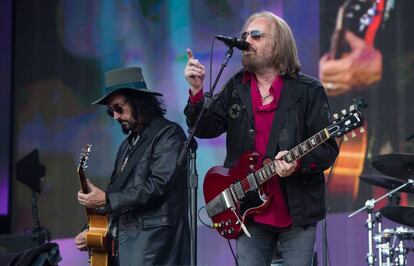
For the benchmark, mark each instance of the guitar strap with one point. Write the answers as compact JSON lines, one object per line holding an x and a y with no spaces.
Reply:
{"x":145,"y":139}
{"x":284,"y":103}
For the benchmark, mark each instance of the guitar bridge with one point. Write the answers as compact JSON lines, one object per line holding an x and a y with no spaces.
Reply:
{"x":220,"y":203}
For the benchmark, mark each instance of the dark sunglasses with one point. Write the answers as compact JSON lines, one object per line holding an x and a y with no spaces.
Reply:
{"x":117,"y":108}
{"x":254,"y":34}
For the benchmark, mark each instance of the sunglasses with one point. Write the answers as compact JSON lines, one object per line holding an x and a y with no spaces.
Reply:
{"x":254,"y":34}
{"x":117,"y":108}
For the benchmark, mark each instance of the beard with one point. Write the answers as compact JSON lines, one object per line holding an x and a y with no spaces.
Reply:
{"x":254,"y":62}
{"x":126,"y":126}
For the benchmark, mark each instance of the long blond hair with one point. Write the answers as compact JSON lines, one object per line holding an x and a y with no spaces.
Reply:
{"x":285,"y":54}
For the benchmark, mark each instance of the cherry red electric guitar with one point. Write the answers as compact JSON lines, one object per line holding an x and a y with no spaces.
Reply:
{"x":232,"y":195}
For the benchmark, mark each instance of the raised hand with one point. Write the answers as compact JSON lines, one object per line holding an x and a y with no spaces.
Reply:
{"x":194,"y":73}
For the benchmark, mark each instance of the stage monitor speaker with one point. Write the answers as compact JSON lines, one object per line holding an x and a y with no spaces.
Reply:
{"x":30,"y":171}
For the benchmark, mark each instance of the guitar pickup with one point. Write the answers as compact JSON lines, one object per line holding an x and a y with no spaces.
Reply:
{"x":252,"y":182}
{"x":237,"y":189}
{"x":220,"y":203}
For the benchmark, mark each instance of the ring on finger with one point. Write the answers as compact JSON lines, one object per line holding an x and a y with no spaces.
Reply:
{"x":329,"y":85}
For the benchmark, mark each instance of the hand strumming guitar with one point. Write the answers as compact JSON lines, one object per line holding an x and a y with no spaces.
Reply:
{"x":80,"y":240}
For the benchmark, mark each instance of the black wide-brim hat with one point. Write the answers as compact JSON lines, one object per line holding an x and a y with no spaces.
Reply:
{"x":124,"y":79}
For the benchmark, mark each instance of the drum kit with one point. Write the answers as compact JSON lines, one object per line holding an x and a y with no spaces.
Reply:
{"x":390,"y":244}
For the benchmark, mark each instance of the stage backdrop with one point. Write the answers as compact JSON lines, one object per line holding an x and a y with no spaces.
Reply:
{"x":62,"y":48}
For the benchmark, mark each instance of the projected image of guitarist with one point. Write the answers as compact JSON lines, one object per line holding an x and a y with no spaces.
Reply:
{"x":146,"y":199}
{"x":275,"y":114}
{"x":370,"y":55}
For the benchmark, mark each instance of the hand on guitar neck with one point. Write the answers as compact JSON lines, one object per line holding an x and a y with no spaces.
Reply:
{"x":94,"y":199}
{"x":284,"y":168}
{"x":359,"y":68}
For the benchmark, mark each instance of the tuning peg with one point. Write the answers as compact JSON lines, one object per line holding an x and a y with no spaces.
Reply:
{"x":361,"y":130}
{"x":353,"y":134}
{"x":343,"y":111}
{"x":352,"y":108}
{"x":345,"y":138}
{"x":335,"y":116}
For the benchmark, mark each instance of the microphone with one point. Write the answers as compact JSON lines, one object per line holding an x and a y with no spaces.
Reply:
{"x":409,"y":138}
{"x":234,"y":42}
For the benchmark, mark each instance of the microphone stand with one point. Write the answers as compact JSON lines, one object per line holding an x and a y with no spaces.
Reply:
{"x":191,"y":160}
{"x":370,"y":222}
{"x":39,"y":234}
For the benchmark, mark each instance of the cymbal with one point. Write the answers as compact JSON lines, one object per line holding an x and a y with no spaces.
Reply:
{"x":387,"y":182}
{"x":400,"y":214}
{"x":398,"y":165}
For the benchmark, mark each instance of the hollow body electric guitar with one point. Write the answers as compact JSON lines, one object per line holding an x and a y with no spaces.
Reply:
{"x":97,"y":240}
{"x":233,"y":194}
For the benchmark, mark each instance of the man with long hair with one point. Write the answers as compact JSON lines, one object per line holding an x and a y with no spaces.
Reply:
{"x":147,"y":196}
{"x":269,"y":107}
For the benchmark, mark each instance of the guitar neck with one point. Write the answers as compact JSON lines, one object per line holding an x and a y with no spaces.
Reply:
{"x":269,"y":170}
{"x":338,"y":36}
{"x":82,"y":181}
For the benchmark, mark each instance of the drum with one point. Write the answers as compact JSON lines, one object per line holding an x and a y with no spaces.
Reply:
{"x":392,"y":246}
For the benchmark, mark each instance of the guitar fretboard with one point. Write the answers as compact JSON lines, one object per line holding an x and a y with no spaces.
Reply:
{"x":269,"y":170}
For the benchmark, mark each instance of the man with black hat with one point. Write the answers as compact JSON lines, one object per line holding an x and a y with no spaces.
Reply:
{"x":146,"y":198}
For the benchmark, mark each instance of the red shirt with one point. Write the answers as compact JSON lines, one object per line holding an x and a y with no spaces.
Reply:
{"x":277,"y":213}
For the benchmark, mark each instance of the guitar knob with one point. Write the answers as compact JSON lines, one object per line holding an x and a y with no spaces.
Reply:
{"x":335,"y":116}
{"x":343,"y":111}
{"x":216,"y":225}
{"x":226,"y":223}
{"x":230,"y":231}
{"x":345,"y":138}
{"x":353,"y":134}
{"x":223,"y":233}
{"x":361,"y":130}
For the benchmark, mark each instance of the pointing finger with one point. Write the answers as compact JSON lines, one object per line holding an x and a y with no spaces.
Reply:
{"x":189,"y":53}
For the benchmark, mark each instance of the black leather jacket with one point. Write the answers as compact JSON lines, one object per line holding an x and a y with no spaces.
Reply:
{"x":150,"y":210}
{"x":307,"y":113}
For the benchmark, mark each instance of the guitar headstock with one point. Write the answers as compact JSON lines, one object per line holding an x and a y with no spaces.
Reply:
{"x":86,"y":150}
{"x":361,"y":17}
{"x":350,"y":120}
{"x":359,"y":14}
